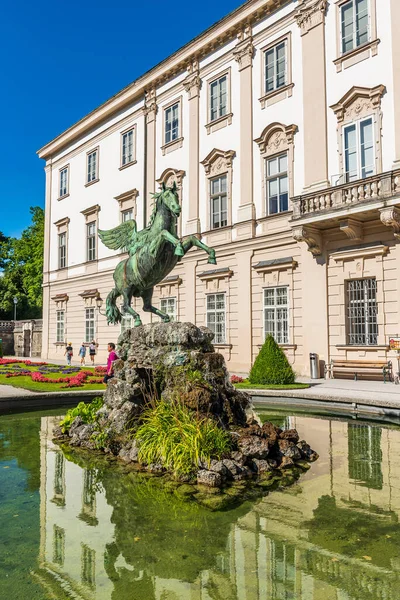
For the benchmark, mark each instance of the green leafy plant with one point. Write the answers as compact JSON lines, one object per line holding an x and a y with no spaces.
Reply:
{"x":100,"y":439}
{"x":271,"y":366}
{"x":179,"y":438}
{"x":87,"y":412}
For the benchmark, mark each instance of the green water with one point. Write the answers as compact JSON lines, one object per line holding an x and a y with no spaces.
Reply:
{"x":87,"y":530}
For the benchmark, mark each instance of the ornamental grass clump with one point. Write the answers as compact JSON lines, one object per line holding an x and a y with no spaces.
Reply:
{"x":179,"y":438}
{"x":271,"y":366}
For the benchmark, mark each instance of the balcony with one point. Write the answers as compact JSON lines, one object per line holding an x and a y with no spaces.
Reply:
{"x":347,"y":206}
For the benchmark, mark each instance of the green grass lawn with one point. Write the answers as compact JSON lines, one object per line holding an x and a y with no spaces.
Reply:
{"x":26,"y":383}
{"x":245,"y":385}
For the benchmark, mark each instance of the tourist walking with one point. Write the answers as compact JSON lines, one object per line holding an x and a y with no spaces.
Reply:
{"x":112,"y":355}
{"x":82,"y":354}
{"x":69,"y":353}
{"x":92,"y":351}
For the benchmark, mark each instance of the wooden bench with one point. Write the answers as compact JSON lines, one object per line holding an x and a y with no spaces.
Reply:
{"x":358,"y":367}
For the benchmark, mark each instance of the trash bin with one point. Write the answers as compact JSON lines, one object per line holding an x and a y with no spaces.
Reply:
{"x":314,"y":366}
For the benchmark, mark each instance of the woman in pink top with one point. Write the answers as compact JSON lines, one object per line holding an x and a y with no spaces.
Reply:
{"x":112,"y":355}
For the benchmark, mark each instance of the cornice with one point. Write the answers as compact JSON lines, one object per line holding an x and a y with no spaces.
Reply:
{"x":214,"y":37}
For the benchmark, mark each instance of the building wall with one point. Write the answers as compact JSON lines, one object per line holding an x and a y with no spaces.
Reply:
{"x":303,"y":119}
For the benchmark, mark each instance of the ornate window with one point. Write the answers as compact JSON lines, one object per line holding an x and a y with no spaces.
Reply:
{"x":92,"y":166}
{"x":64,"y":182}
{"x":62,"y":250}
{"x":216,"y":317}
{"x":276,"y":313}
{"x":60,"y":337}
{"x":128,"y":143}
{"x":168,"y":305}
{"x":276,"y":145}
{"x":362,"y":311}
{"x":218,"y":168}
{"x":90,"y":325}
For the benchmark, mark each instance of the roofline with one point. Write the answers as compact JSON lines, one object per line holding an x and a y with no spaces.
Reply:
{"x":204,"y":43}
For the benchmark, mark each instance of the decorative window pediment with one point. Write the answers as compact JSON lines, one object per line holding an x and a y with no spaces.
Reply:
{"x":358,"y":102}
{"x":90,"y":297}
{"x":276,"y":138}
{"x":218,"y":161}
{"x":169,"y":176}
{"x":60,"y":300}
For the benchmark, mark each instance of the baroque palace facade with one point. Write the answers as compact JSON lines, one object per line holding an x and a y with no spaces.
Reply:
{"x":281,"y":126}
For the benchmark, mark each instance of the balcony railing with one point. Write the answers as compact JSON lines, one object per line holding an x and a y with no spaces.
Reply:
{"x":378,"y":187}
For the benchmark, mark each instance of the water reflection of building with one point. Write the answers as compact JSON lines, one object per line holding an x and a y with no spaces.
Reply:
{"x":296,"y":544}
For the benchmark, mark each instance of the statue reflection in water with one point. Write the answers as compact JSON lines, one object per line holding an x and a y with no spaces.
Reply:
{"x":106,"y":534}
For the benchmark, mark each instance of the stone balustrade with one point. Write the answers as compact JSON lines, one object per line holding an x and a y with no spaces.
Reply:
{"x":378,"y":187}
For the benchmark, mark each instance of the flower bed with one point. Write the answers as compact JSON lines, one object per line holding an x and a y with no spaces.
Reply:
{"x":70,"y":377}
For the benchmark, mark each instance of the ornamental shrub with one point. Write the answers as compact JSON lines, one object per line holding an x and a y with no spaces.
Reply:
{"x":87,"y":412}
{"x":271,"y":366}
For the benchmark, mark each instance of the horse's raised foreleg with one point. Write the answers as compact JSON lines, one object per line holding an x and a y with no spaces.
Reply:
{"x":192,"y":240}
{"x":127,"y":308}
{"x":166,"y":235}
{"x":147,"y":296}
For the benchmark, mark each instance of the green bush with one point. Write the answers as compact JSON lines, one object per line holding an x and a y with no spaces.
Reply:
{"x":179,"y":438}
{"x":87,"y":412}
{"x":271,"y":366}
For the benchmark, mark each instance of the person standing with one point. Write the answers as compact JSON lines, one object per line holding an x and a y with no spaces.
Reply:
{"x":112,"y":356}
{"x":92,"y":351}
{"x":82,"y":354}
{"x":69,"y":353}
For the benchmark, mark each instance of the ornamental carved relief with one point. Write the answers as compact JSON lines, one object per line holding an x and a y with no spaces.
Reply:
{"x":218,"y":161}
{"x":358,"y":103}
{"x":310,"y":14}
{"x":192,"y":82}
{"x":169,"y":176}
{"x":244,"y":51}
{"x":390,"y":216}
{"x":150,"y":105}
{"x":276,"y":138}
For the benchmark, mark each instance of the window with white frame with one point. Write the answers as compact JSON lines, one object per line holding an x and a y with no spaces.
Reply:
{"x":63,"y":191}
{"x":276,"y":314}
{"x":362,"y":312}
{"x":92,"y":166}
{"x":218,"y":202}
{"x":127,"y":215}
{"x":277,"y":184}
{"x":359,"y":150}
{"x":275,"y":67}
{"x":126,"y":322}
{"x":354,"y":17}
{"x":62,"y":250}
{"x":127,"y":147}
{"x":60,"y":336}
{"x":89,"y":325}
{"x":171,"y":123}
{"x":168,"y":305}
{"x":218,"y":98}
{"x":91,"y":241}
{"x":216,"y":317}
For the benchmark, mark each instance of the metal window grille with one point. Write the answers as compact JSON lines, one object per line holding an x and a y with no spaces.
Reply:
{"x":277,"y":184}
{"x":275,"y":67}
{"x":219,"y":202}
{"x":172,"y":123}
{"x":276,"y":314}
{"x":355,"y":24}
{"x":60,"y":325}
{"x":365,"y":455}
{"x":91,"y":241}
{"x":92,"y":166}
{"x":216,"y":317}
{"x":63,"y":182}
{"x":362,"y":312}
{"x":168,"y":305}
{"x":127,"y":147}
{"x":89,"y":325}
{"x":218,"y":98}
{"x":62,"y":250}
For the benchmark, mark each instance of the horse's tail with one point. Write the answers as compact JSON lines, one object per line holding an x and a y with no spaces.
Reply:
{"x":112,"y":311}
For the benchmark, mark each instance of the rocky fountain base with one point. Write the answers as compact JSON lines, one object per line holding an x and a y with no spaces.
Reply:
{"x":173,"y":362}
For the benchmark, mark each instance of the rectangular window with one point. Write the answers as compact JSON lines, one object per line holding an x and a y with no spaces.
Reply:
{"x":63,"y":182}
{"x":276,"y":314}
{"x":62,"y":250}
{"x":354,"y":24}
{"x":92,"y":166}
{"x":127,"y":149}
{"x":277,"y":184}
{"x":89,"y":325}
{"x":216,"y":317}
{"x":58,"y":545}
{"x":218,"y":98}
{"x":127,"y":215}
{"x":168,"y":305}
{"x":218,"y":202}
{"x":91,"y":241}
{"x":275,"y":67}
{"x":172,"y":123}
{"x":362,"y":311}
{"x":126,"y":322}
{"x":60,"y":325}
{"x":88,"y":566}
{"x":359,"y":150}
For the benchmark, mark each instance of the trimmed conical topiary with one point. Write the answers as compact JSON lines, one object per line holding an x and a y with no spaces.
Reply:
{"x":271,"y":366}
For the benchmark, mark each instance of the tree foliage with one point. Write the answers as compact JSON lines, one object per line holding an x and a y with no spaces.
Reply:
{"x":271,"y":366}
{"x":21,"y":263}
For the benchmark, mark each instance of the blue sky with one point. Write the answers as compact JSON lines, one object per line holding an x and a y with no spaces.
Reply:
{"x":60,"y":60}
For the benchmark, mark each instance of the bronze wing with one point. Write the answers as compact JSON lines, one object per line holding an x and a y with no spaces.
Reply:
{"x":122,"y":236}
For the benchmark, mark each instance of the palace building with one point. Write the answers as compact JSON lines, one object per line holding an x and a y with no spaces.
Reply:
{"x":280,"y":125}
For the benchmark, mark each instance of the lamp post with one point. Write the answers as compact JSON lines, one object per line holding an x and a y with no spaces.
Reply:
{"x":99,"y":304}
{"x":15,"y":300}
